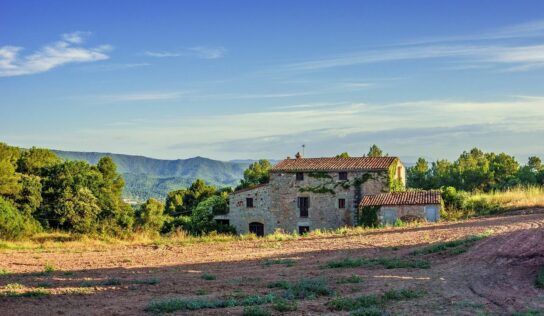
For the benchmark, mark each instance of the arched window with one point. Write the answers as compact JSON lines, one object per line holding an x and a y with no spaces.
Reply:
{"x":256,"y":228}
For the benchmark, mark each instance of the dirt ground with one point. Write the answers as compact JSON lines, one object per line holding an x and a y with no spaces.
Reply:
{"x":494,"y":276}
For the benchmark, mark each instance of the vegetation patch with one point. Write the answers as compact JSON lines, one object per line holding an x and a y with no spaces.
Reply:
{"x":146,"y":281}
{"x":255,"y":311}
{"x":350,"y":279}
{"x":388,"y":263}
{"x":4,"y":272}
{"x":178,"y":304}
{"x":372,"y":304}
{"x":208,"y":277}
{"x":111,"y":282}
{"x":453,"y":247}
{"x":539,"y":281}
{"x":282,"y":305}
{"x":304,"y":288}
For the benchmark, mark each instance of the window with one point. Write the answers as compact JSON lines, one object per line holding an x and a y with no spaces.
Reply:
{"x":300,"y":176}
{"x":222,"y":222}
{"x":249,"y":202}
{"x":342,"y":175}
{"x":303,"y":206}
{"x":303,"y":230}
{"x":341,"y":203}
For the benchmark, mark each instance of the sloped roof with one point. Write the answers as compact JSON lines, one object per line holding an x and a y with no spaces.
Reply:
{"x":402,"y":198}
{"x":334,"y":164}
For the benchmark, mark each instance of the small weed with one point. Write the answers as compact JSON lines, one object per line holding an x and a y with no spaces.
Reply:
{"x":282,"y":284}
{"x":388,"y":263}
{"x":255,"y":311}
{"x":208,"y":277}
{"x":283,"y":305}
{"x":351,"y":279}
{"x":146,"y":281}
{"x":308,"y":289}
{"x":404,"y":294}
{"x":87,"y":283}
{"x":256,"y":300}
{"x":48,"y":269}
{"x":111,"y":282}
{"x":33,"y":293}
{"x":14,"y":286}
{"x":80,"y":291}
{"x":4,"y":272}
{"x":45,"y":284}
{"x":201,"y":292}
{"x":539,"y":281}
{"x":68,"y":273}
{"x":287,"y":262}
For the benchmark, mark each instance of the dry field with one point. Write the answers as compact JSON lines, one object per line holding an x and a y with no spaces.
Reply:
{"x":492,"y":275}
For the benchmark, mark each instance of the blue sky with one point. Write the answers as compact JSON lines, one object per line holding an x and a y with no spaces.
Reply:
{"x":252,"y":79}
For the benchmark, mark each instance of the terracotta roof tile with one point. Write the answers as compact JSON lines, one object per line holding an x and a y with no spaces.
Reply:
{"x":334,"y":164}
{"x":402,"y":198}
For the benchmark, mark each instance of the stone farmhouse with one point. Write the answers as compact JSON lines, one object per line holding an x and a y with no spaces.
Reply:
{"x":304,"y":194}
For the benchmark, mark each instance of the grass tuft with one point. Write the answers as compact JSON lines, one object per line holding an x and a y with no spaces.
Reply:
{"x":453,"y":247}
{"x":111,"y":282}
{"x":372,"y":303}
{"x":146,"y":281}
{"x":286,"y":262}
{"x":351,"y":279}
{"x":170,"y":305}
{"x":282,"y":305}
{"x":255,"y":311}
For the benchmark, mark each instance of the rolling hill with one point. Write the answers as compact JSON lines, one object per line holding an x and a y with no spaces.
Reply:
{"x":148,"y":177}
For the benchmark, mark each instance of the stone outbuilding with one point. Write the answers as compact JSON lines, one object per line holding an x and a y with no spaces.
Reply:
{"x":304,"y":194}
{"x":403,"y":205}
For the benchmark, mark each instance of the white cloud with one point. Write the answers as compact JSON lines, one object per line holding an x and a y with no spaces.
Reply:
{"x":50,"y":56}
{"x":142,"y":96}
{"x":202,"y":52}
{"x":209,"y":52}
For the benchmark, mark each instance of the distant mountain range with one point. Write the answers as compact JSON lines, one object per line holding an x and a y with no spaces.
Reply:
{"x":148,"y":177}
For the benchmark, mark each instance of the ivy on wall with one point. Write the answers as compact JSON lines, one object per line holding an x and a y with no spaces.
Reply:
{"x":395,"y":185}
{"x":331,"y":185}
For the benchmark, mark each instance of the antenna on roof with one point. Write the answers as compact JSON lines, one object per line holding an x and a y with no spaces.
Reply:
{"x":303,"y":147}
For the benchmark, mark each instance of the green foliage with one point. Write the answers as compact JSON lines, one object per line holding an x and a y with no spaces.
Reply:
{"x":257,"y":173}
{"x":368,"y":311}
{"x":476,"y":171}
{"x":287,"y":262}
{"x":10,"y":184}
{"x":150,"y":217}
{"x":387,"y":263}
{"x":343,"y":155}
{"x":319,"y":175}
{"x":308,"y":289}
{"x":394,"y":183}
{"x":539,"y":281}
{"x":34,"y":160}
{"x":13,"y":224}
{"x":375,"y":151}
{"x":184,"y":201}
{"x":369,"y":216}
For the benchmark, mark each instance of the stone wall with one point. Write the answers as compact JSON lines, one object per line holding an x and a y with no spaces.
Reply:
{"x":404,"y":210}
{"x":240,"y":215}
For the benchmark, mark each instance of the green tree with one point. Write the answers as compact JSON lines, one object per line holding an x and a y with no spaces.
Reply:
{"x":343,"y":155}
{"x":10,"y":184}
{"x":534,"y":163}
{"x":202,"y":221}
{"x":78,"y":211}
{"x":150,"y":216}
{"x":184,"y":201}
{"x":257,"y":173}
{"x":30,"y":197}
{"x":375,"y":151}
{"x":418,"y":175}
{"x":32,"y":161}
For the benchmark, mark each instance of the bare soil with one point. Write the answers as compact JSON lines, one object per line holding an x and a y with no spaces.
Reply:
{"x":495,"y":275}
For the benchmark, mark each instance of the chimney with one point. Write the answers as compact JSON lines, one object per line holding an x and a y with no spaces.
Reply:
{"x":298,"y":155}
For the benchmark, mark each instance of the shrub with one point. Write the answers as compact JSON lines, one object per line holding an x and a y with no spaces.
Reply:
{"x":351,"y":279}
{"x":368,"y":216}
{"x":13,"y":224}
{"x":308,"y":289}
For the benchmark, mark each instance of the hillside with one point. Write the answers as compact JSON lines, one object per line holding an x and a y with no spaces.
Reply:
{"x":148,"y":177}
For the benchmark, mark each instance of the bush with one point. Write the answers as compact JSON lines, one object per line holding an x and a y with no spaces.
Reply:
{"x":255,"y":311}
{"x":369,"y":216}
{"x":13,"y":224}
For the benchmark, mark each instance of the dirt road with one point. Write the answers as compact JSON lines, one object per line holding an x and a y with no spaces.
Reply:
{"x":494,"y":275}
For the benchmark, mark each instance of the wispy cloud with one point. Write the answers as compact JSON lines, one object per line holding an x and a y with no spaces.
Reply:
{"x":202,"y":52}
{"x":53,"y":55}
{"x":141,"y":96}
{"x":482,"y":54}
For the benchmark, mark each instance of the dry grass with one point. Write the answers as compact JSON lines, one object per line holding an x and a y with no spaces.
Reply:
{"x":514,"y":198}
